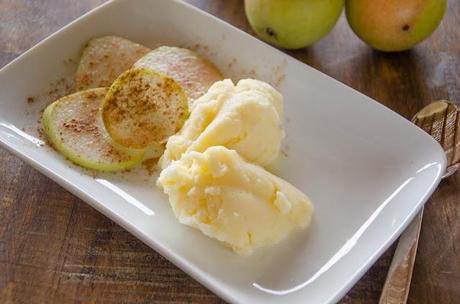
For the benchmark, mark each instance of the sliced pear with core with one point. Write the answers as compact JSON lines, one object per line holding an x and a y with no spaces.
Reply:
{"x":74,"y":127}
{"x":104,"y":59}
{"x":194,"y":73}
{"x":143,"y":108}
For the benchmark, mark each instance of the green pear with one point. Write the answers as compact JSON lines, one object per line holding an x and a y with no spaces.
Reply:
{"x":394,"y":25}
{"x":292,"y":24}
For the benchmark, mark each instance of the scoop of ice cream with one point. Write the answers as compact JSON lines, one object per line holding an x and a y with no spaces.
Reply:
{"x":233,"y":201}
{"x":247,"y":118}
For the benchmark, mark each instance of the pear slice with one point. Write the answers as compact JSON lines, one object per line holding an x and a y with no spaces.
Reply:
{"x":74,"y":127}
{"x":144,"y":107}
{"x":194,"y":73}
{"x":104,"y":59}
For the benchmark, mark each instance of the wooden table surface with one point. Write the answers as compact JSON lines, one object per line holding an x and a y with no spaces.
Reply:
{"x":54,"y":248}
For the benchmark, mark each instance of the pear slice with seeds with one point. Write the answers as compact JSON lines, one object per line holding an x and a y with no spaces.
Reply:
{"x":104,"y":59}
{"x":74,"y":127}
{"x":144,"y":107}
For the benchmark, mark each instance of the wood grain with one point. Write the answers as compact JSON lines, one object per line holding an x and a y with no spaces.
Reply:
{"x":54,"y":248}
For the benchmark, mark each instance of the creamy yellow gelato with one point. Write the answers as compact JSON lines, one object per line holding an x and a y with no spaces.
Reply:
{"x":233,"y":201}
{"x":247,"y":118}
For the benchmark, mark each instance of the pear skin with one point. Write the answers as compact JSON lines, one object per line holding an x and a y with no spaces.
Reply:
{"x":292,"y":24}
{"x":394,"y":25}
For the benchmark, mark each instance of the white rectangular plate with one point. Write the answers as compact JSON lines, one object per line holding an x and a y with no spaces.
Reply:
{"x":366,"y":169}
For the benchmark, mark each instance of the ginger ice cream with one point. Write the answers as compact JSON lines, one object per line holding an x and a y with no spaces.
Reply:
{"x":233,"y":201}
{"x":247,"y":118}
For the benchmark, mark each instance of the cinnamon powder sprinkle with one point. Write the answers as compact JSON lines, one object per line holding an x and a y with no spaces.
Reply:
{"x":151,"y":165}
{"x":81,"y":125}
{"x":136,"y":97}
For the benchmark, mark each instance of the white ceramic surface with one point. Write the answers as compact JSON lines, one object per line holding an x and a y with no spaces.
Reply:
{"x":367,"y":170}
